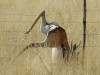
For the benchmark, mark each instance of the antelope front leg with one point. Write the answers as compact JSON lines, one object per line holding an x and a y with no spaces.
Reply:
{"x":43,"y":44}
{"x":27,"y":47}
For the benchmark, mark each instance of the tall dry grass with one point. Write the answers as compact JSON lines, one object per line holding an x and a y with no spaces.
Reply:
{"x":16,"y":17}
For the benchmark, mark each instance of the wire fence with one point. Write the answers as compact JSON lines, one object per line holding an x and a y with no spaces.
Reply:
{"x":32,"y":15}
{"x":49,"y":14}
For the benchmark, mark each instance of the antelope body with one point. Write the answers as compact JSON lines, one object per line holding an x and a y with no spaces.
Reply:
{"x":56,"y":39}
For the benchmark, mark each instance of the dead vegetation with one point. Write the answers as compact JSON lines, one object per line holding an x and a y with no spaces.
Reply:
{"x":17,"y":16}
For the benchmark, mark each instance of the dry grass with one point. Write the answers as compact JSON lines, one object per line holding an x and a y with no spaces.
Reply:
{"x":16,"y":17}
{"x":37,"y":64}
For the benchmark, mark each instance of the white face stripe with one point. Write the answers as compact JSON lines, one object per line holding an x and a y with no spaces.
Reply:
{"x":50,"y":27}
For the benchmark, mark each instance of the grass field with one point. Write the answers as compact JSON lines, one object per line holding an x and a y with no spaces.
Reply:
{"x":17,"y":16}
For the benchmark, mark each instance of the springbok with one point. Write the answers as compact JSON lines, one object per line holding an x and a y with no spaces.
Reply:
{"x":56,"y":39}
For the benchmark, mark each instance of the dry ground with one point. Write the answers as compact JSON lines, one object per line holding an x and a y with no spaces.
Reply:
{"x":16,"y":17}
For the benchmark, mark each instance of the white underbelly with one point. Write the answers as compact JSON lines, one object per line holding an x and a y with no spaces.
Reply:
{"x":57,"y":54}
